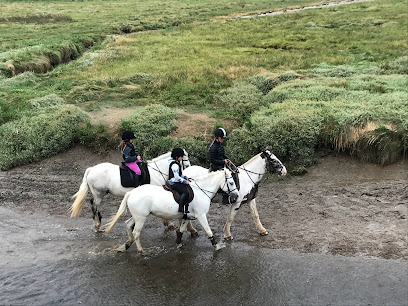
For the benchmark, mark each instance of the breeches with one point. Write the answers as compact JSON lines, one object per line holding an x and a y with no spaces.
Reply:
{"x":134,"y":167}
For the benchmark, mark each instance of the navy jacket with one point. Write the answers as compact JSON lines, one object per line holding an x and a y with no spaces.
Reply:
{"x":217,"y":156}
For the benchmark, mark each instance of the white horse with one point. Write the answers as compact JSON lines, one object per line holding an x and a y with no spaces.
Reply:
{"x":104,"y":178}
{"x":250,"y":174}
{"x":150,"y":199}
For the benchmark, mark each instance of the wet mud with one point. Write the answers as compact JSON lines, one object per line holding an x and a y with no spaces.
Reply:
{"x":337,"y":235}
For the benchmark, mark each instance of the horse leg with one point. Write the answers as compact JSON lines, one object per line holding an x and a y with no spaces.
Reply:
{"x":204,"y":223}
{"x":180,"y":231}
{"x":97,"y":217}
{"x":130,"y":225}
{"x":97,"y":196}
{"x":139,"y":222}
{"x":168,"y":224}
{"x":192,"y":230}
{"x":227,"y":227}
{"x":262,"y":231}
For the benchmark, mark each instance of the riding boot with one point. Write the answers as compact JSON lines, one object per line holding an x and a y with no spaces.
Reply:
{"x":182,"y":202}
{"x":186,"y":208}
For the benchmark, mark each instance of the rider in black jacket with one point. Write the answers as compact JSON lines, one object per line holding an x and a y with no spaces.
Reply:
{"x":218,"y":158}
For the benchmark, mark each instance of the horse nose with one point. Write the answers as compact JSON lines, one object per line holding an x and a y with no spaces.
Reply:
{"x":233,"y":197}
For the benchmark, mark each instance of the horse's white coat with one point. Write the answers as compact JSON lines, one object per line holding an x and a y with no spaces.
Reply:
{"x":150,"y":199}
{"x":105,"y":178}
{"x":250,"y":173}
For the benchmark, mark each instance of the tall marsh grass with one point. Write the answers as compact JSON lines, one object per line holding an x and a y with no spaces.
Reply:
{"x":326,"y":77}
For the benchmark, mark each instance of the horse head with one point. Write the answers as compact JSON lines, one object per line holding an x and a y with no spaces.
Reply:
{"x":185,"y":162}
{"x":273,"y":164}
{"x":229,"y":186}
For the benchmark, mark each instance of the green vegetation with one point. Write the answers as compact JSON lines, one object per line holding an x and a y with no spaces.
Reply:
{"x":37,"y":36}
{"x":333,"y":76}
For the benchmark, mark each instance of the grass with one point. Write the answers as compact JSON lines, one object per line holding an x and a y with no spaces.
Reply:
{"x":32,"y":29}
{"x":311,"y":78}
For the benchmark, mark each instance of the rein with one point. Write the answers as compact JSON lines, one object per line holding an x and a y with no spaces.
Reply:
{"x":162,"y":173}
{"x":205,"y":191}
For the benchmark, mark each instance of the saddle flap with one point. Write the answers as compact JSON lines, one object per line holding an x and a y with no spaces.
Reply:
{"x":128,"y":178}
{"x":176,"y":195}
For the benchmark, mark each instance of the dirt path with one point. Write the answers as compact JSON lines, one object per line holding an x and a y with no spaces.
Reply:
{"x":340,"y":207}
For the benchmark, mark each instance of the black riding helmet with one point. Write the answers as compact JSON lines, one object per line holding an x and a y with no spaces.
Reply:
{"x":177,"y":152}
{"x":220,"y":132}
{"x":127,"y":135}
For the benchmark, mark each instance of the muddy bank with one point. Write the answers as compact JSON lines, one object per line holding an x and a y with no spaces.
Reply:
{"x":341,"y":207}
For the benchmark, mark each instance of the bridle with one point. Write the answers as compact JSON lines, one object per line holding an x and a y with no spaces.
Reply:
{"x":270,"y":166}
{"x":214,"y":192}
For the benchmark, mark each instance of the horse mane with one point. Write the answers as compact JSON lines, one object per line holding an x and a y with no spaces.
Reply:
{"x":249,"y":161}
{"x":161,"y":157}
{"x":204,"y":177}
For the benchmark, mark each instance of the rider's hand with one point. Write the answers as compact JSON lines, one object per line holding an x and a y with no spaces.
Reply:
{"x":187,"y":181}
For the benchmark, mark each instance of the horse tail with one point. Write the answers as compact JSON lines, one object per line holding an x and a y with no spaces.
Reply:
{"x":80,"y":195}
{"x":121,"y":210}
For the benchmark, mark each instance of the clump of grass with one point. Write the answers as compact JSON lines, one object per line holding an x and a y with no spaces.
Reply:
{"x":5,"y":71}
{"x":150,"y":123}
{"x":240,"y":100}
{"x":399,"y":65}
{"x":327,"y":70}
{"x":265,"y":82}
{"x":39,"y":18}
{"x":47,"y":101}
{"x":30,"y":139}
{"x":24,"y":79}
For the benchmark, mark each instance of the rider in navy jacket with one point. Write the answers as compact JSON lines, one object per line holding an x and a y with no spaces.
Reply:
{"x":218,"y":158}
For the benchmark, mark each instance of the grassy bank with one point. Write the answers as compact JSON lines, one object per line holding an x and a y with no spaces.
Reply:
{"x":34,"y":35}
{"x":333,"y":76}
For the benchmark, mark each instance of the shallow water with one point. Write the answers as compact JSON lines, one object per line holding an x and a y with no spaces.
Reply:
{"x":73,"y":267}
{"x":325,"y":4}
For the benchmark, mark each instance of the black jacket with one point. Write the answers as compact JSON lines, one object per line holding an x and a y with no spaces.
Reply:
{"x":217,"y":156}
{"x":129,"y":153}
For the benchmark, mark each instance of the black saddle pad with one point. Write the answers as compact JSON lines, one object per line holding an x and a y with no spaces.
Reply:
{"x":128,"y":178}
{"x":176,"y":195}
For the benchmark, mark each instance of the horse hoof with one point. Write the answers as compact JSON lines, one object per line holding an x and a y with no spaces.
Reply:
{"x":179,"y":245}
{"x":194,"y":235}
{"x":219,"y":246}
{"x":229,"y":238}
{"x":264,"y":233}
{"x":121,"y":248}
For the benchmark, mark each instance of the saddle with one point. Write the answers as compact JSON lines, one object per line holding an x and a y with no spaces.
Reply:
{"x":130,"y":179}
{"x":176,"y":195}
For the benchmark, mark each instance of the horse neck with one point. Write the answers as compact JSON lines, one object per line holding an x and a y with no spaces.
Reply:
{"x":210,"y":183}
{"x":160,"y":163}
{"x":256,"y":169}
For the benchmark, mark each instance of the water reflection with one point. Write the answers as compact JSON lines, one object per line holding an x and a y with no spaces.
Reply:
{"x":194,"y":275}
